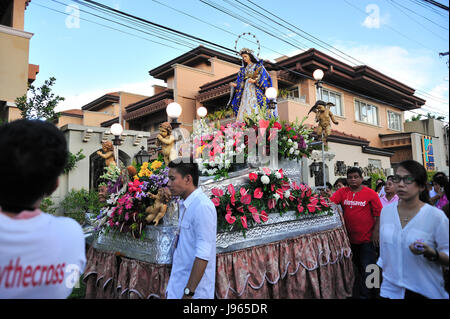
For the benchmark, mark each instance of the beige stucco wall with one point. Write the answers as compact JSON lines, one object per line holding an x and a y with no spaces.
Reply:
{"x":290,"y":110}
{"x":14,"y":47}
{"x":96,"y":118}
{"x":187,"y":82}
{"x":64,"y":120}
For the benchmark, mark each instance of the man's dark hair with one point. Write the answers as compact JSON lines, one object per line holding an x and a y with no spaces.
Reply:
{"x":341,"y":180}
{"x":354,"y":170}
{"x":186,"y":166}
{"x":33,"y":154}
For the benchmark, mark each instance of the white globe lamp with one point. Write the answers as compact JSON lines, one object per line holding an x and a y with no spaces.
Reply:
{"x":202,"y":111}
{"x":318,"y":75}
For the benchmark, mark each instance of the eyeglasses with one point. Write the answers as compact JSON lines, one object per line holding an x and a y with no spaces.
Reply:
{"x":407,"y":179}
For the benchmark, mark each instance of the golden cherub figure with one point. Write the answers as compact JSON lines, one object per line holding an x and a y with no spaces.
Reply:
{"x":167,"y":142}
{"x":324,"y":117}
{"x":159,"y":207}
{"x":108,"y":153}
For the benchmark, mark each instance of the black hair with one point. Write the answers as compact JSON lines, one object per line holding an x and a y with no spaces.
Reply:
{"x":186,"y":166}
{"x":420,"y":177}
{"x":438,"y":173}
{"x":354,"y":170}
{"x":33,"y":153}
{"x":379,"y":186}
{"x":341,"y":180}
{"x":329,"y":185}
{"x":442,"y":181}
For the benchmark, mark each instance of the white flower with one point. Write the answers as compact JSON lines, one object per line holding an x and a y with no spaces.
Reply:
{"x":287,"y":194}
{"x":290,"y":141}
{"x":296,"y":145}
{"x":276,"y":196}
{"x":265,"y":179}
{"x":277,"y":175}
{"x":291,"y":150}
{"x":204,"y":171}
{"x":297,"y":152}
{"x":212,"y":164}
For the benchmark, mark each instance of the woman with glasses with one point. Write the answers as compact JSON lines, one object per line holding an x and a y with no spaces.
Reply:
{"x":413,"y":239}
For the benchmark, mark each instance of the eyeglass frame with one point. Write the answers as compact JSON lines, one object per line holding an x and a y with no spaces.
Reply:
{"x":407,"y":179}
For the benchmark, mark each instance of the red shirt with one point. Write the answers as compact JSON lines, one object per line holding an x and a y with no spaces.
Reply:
{"x":359,"y":208}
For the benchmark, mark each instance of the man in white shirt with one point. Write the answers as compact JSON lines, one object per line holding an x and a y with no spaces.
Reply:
{"x":194,"y":260}
{"x":41,"y":256}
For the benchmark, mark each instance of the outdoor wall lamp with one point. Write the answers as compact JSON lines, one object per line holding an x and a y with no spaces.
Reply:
{"x":173,"y":111}
{"x":271,"y":95}
{"x":142,"y":156}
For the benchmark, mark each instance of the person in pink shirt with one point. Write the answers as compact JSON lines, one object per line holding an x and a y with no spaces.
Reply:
{"x":389,"y":196}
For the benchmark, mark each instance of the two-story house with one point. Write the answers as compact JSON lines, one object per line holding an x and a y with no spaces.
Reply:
{"x":15,"y":71}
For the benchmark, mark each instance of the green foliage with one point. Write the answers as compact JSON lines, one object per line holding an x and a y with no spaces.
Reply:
{"x":220,"y":114}
{"x":47,"y":206}
{"x":78,"y":202}
{"x":375,"y":176}
{"x":41,"y":104}
{"x":414,"y":118}
{"x":112,"y":173}
{"x":72,"y":160}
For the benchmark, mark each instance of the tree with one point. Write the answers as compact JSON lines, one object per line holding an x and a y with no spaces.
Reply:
{"x":434,"y":117}
{"x":414,"y":118}
{"x":41,"y":104}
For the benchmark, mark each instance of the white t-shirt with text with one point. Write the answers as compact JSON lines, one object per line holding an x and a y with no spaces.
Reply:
{"x":40,"y":257}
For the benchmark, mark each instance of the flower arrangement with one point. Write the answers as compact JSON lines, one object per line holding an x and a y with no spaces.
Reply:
{"x":215,"y":149}
{"x":266,"y":192}
{"x":294,"y":140}
{"x":125,"y":207}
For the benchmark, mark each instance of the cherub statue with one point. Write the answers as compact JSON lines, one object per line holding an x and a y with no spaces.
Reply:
{"x":159,"y":207}
{"x":324,"y":117}
{"x":108,"y":153}
{"x":167,"y":142}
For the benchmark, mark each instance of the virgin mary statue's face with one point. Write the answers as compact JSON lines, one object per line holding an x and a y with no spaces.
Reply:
{"x":246,"y":58}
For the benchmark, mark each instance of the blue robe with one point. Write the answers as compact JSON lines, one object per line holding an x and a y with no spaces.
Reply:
{"x":263,"y":81}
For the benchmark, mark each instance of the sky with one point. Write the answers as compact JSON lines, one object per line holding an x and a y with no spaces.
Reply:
{"x":400,"y":38}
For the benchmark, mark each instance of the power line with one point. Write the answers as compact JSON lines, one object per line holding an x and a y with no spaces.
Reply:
{"x":422,"y":16}
{"x":157,"y":25}
{"x":430,"y":8}
{"x":398,"y":5}
{"x":190,"y":36}
{"x":106,"y":26}
{"x":437,"y":4}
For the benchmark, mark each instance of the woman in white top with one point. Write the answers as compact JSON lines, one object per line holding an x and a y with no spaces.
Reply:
{"x":413,"y":239}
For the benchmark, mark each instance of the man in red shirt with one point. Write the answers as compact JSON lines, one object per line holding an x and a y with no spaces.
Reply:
{"x":361,"y":206}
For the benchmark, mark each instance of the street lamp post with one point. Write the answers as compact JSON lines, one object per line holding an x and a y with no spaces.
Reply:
{"x":318,"y":76}
{"x":173,"y":111}
{"x":116,"y":130}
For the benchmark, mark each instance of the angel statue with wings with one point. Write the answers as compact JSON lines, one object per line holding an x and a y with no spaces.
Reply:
{"x":251,"y":84}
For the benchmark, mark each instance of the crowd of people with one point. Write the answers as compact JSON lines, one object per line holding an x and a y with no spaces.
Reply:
{"x":402,"y":226}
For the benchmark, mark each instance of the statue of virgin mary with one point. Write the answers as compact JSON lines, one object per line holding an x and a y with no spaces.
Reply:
{"x":251,"y":84}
